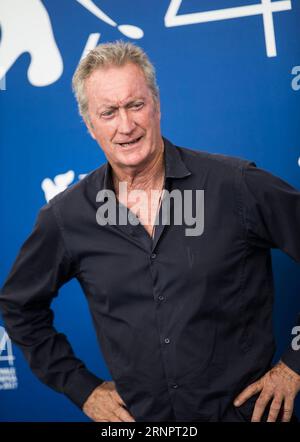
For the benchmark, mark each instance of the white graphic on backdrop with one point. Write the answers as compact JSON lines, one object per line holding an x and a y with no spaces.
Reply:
{"x":57,"y":185}
{"x":2,"y":81}
{"x":51,"y":188}
{"x":91,"y":43}
{"x":128,"y":30}
{"x":26,"y":28}
{"x":266,"y":8}
{"x":8,"y":378}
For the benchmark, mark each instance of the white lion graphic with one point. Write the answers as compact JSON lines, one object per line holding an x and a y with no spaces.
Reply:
{"x":26,"y":27}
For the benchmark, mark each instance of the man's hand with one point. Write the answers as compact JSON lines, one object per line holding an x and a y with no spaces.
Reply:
{"x":281,"y":384}
{"x":106,"y":405}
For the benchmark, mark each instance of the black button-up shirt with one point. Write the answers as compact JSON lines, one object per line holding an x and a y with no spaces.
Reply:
{"x":184,"y":322}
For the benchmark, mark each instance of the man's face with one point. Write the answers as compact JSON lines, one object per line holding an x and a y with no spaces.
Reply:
{"x":122,"y":110}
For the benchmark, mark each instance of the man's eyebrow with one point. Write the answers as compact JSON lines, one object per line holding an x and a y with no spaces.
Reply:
{"x":108,"y":106}
{"x":134,"y":100}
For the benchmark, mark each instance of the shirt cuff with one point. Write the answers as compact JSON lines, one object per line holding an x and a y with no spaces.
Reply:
{"x":291,"y":358}
{"x":80,"y":385}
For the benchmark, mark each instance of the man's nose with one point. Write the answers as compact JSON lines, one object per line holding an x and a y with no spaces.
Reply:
{"x":126,"y":123}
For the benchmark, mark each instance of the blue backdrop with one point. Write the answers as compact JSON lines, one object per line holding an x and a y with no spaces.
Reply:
{"x":229,"y":76}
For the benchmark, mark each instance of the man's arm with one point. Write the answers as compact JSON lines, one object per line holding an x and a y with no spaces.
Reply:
{"x":271,"y":211}
{"x":41,"y":268}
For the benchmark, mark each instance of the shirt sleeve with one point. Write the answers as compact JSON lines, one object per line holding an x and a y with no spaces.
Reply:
{"x":41,"y":268}
{"x":272,"y":218}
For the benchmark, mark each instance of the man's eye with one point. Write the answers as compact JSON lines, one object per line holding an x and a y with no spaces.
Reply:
{"x":107,"y":114}
{"x":138,"y":105}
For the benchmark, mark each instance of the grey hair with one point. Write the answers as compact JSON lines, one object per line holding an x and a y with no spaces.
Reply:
{"x":116,"y":53}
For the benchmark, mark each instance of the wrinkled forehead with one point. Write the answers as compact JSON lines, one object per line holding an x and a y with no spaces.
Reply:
{"x":116,"y":84}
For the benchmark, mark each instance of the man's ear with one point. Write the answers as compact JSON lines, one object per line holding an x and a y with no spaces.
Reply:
{"x":89,"y":126}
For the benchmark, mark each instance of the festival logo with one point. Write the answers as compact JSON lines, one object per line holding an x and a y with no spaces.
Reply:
{"x":8,"y":377}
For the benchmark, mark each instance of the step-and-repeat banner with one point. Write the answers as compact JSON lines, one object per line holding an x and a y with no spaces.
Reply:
{"x":229,"y":78}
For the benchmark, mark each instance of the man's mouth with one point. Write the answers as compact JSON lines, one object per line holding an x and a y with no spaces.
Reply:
{"x":131,"y":143}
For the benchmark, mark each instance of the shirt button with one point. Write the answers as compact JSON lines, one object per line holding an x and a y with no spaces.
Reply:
{"x":175,"y":386}
{"x":161,"y":297}
{"x":153,"y":256}
{"x":167,"y":341}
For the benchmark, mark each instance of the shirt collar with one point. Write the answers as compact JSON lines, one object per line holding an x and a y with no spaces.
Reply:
{"x":174,"y":165}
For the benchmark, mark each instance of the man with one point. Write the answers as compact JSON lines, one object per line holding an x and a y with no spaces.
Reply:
{"x":184,"y":318}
